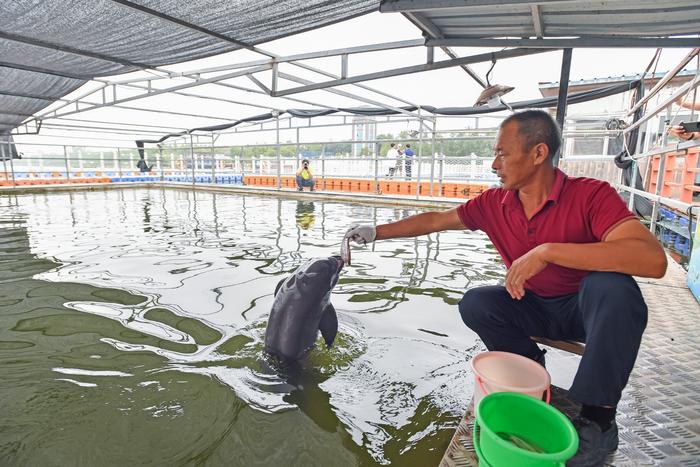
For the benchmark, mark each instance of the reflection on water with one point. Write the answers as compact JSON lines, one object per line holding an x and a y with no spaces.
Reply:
{"x":132,"y":326}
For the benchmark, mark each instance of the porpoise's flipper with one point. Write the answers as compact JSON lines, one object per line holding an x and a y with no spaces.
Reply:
{"x":329,"y":325}
{"x":279,"y":285}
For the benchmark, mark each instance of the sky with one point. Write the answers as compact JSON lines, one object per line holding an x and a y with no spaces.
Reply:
{"x":448,"y":87}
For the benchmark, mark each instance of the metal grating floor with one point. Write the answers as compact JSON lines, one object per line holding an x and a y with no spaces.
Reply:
{"x":659,"y":414}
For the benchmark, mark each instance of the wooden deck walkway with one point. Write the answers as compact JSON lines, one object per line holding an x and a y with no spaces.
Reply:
{"x":659,"y":414}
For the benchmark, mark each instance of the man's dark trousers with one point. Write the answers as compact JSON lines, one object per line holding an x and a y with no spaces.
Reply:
{"x":608,"y":313}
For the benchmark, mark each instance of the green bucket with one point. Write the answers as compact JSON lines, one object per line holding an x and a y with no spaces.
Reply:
{"x":515,"y":429}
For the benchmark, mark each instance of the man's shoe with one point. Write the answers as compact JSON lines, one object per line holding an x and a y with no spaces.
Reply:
{"x":300,"y":189}
{"x":594,"y":445}
{"x":311,"y":189}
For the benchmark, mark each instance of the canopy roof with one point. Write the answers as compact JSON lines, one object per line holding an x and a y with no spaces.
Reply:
{"x":48,"y":49}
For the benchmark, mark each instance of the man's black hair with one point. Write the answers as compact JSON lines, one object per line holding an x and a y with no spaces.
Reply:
{"x":536,"y":126}
{"x":392,"y":144}
{"x":408,"y":145}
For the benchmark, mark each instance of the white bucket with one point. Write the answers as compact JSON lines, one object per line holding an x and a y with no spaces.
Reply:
{"x":508,"y":372}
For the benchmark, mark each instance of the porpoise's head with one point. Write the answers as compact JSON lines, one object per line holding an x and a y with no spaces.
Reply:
{"x":317,"y":277}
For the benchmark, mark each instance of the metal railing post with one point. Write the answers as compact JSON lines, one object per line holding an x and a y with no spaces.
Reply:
{"x":4,"y":163}
{"x":12,"y":166}
{"x":213,"y":162}
{"x":279,"y":151}
{"x":630,"y":204}
{"x":119,"y":163}
{"x":160,"y":163}
{"x":192,"y":158}
{"x":432,"y":157}
{"x":297,"y":147}
{"x":65,"y":159}
{"x":659,"y":181}
{"x":323,"y":171}
{"x":376,"y":170}
{"x":441,"y":162}
{"x":420,"y":153}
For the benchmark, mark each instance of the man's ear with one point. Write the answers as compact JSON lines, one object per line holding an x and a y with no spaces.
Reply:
{"x":540,"y":153}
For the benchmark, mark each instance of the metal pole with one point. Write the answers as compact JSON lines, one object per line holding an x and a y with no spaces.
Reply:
{"x":192,"y":157}
{"x":119,"y":164}
{"x":323,"y":170}
{"x":65,"y":159}
{"x":279,"y":154}
{"x":4,"y":163}
{"x":213,"y":162}
{"x":420,"y":151}
{"x":376,"y":168}
{"x":160,"y":163}
{"x":657,"y":192}
{"x":297,"y":148}
{"x":630,"y":204}
{"x":441,"y":161}
{"x":43,"y":172}
{"x":12,"y":167}
{"x":432,"y":157}
{"x":561,"y":99}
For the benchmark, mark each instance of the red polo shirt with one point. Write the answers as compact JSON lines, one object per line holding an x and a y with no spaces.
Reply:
{"x":577,"y":210}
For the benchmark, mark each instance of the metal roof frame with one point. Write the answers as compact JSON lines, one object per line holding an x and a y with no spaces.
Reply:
{"x":430,"y":16}
{"x":108,"y":90}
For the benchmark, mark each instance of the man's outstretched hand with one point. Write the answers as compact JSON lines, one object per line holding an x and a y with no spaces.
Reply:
{"x":361,"y":234}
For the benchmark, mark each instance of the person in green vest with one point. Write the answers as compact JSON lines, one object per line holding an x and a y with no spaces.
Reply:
{"x":304,"y":177}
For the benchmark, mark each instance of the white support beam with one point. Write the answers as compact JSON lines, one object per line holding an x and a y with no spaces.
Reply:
{"x":259,"y":84}
{"x":275,"y":73}
{"x":81,"y":100}
{"x":346,"y":94}
{"x":172,"y":112}
{"x":537,"y":20}
{"x":359,"y":85}
{"x":344,"y":66}
{"x":431,"y":30}
{"x":289,"y":58}
{"x":414,"y":69}
{"x":140,"y":125}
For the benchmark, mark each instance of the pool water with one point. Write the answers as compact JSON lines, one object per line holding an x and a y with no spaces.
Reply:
{"x":132,"y":326}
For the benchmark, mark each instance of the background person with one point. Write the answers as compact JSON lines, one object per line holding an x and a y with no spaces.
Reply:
{"x":143,"y":166}
{"x":392,"y":155}
{"x":571,"y":247}
{"x":408,"y":160}
{"x":677,"y":130}
{"x":304,"y":177}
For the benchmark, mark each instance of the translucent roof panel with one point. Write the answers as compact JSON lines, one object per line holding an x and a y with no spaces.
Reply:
{"x":582,"y":23}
